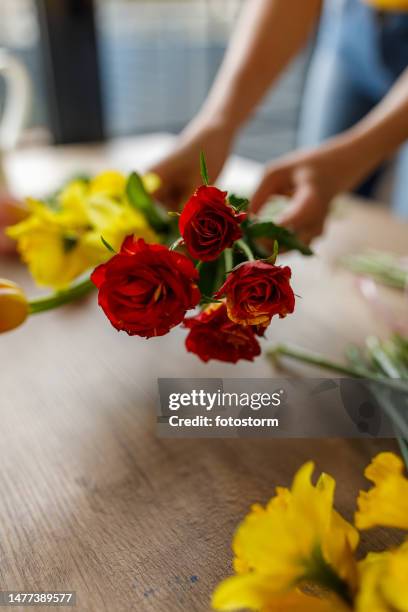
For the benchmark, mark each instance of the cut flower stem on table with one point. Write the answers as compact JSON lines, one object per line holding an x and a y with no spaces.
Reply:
{"x":385,"y":363}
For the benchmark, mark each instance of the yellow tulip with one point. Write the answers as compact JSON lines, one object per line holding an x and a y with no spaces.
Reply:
{"x":386,"y":504}
{"x":14,"y":307}
{"x":297,"y":538}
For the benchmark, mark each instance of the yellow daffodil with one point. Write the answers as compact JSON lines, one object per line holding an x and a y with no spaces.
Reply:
{"x":386,"y":503}
{"x":52,"y":245}
{"x":113,"y":184}
{"x":151,"y":182}
{"x":384,"y":582}
{"x":253,"y":592}
{"x":110,"y":184}
{"x":13,"y":306}
{"x":62,"y":241}
{"x":298,"y":538}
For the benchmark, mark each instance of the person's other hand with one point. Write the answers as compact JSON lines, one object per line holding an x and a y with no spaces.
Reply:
{"x":179,"y":171}
{"x":11,"y":211}
{"x":311,"y":179}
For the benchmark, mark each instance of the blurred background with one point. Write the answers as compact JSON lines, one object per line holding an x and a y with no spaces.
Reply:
{"x":142,"y":65}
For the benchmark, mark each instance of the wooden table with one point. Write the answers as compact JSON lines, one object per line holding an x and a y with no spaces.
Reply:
{"x":90,"y":499}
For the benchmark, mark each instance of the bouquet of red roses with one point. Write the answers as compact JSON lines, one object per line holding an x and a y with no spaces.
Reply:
{"x":152,"y":266}
{"x":216,"y":262}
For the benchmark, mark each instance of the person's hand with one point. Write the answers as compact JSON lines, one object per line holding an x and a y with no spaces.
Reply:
{"x":11,"y":211}
{"x":179,"y":171}
{"x":311,"y":179}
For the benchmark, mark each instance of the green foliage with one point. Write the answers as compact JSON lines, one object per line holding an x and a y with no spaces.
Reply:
{"x":144,"y":203}
{"x":239,"y":204}
{"x":267,"y":229}
{"x":203,"y":169}
{"x":107,"y":245}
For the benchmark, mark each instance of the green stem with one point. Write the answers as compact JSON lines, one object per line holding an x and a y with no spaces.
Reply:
{"x":245,"y":249}
{"x":395,"y":416}
{"x":55,"y":300}
{"x":228,"y":260}
{"x":403,"y":448}
{"x":176,"y":244}
{"x":382,"y":360}
{"x":322,"y":362}
{"x":318,"y":571}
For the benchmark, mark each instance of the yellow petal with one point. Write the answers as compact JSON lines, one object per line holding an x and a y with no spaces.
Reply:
{"x":110,"y":183}
{"x":14,"y":307}
{"x":386,"y":503}
{"x":258,"y":592}
{"x":389,"y":5}
{"x":383,"y":581}
{"x":151,"y":182}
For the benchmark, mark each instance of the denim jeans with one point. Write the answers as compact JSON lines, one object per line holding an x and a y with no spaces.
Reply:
{"x":359,"y":55}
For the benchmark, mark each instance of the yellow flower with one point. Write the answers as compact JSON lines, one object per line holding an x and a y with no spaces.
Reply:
{"x":151,"y":182}
{"x":389,"y":5}
{"x":111,"y":184}
{"x":52,"y":246}
{"x":13,"y":306}
{"x":297,"y":538}
{"x":61,"y":242}
{"x":254,"y":592}
{"x":386,"y":503}
{"x":384,"y":582}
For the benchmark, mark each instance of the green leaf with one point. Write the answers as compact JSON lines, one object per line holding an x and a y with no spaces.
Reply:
{"x":144,"y":203}
{"x":203,"y":169}
{"x":285,"y":237}
{"x":272,"y":258}
{"x":211,"y":276}
{"x":239,"y":204}
{"x":206,"y":299}
{"x":107,"y":245}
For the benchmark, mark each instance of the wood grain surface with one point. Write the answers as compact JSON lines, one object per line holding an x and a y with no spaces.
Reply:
{"x":90,"y":499}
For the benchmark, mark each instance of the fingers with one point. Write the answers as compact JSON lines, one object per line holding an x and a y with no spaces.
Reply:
{"x":172,"y":191}
{"x":273,"y":182}
{"x":307,"y":234}
{"x":303,"y":210}
{"x":306,"y":212}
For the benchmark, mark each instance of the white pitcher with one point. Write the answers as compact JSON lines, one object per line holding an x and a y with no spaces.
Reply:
{"x":15,"y":106}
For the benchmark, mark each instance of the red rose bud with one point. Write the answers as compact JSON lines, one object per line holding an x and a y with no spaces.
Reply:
{"x":214,"y":336}
{"x":145,"y":290}
{"x":256,"y":291}
{"x":208,"y":224}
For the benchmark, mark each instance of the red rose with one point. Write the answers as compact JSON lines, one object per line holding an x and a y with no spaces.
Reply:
{"x":214,"y":336}
{"x":256,"y":291}
{"x":146,"y":289}
{"x":208,"y":224}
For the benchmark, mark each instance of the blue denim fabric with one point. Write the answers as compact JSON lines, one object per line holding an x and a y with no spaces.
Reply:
{"x":359,"y":55}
